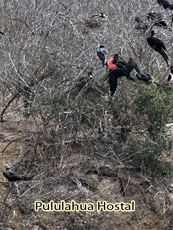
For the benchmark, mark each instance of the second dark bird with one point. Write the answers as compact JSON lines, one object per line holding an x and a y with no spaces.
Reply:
{"x":156,"y":18}
{"x":140,"y":24}
{"x":164,"y":3}
{"x":13,"y":177}
{"x":158,"y":46}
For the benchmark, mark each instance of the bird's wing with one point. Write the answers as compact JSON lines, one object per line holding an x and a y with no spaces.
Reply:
{"x":11,"y":176}
{"x":101,"y":55}
{"x":113,"y":83}
{"x":94,"y":16}
{"x":156,"y":43}
{"x":161,"y":44}
{"x":164,"y":55}
{"x":27,"y":177}
{"x":139,"y":77}
{"x":11,"y":173}
{"x":148,"y":76}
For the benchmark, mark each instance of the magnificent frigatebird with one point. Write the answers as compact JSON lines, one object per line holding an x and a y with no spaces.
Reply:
{"x":12,"y":176}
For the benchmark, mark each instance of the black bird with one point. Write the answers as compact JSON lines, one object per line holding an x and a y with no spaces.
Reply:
{"x":170,"y":77}
{"x":146,"y":77}
{"x":164,"y":3}
{"x":127,"y":66}
{"x":140,"y":25}
{"x":156,"y":18}
{"x":101,"y":51}
{"x":158,"y":46}
{"x":2,"y":33}
{"x":114,"y":75}
{"x":12,"y":177}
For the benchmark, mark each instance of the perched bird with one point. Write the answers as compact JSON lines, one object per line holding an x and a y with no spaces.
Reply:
{"x":114,"y":75}
{"x":164,"y":3}
{"x":156,"y":18}
{"x":93,"y":21}
{"x":137,"y":19}
{"x":11,"y":176}
{"x":140,"y":25}
{"x":90,"y":75}
{"x":100,"y":15}
{"x":158,"y":46}
{"x":170,"y":77}
{"x":101,"y":51}
{"x":146,"y":77}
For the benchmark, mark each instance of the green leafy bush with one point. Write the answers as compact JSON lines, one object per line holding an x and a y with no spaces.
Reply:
{"x":153,"y":109}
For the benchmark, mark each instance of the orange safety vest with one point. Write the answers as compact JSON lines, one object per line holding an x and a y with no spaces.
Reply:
{"x":111,"y":65}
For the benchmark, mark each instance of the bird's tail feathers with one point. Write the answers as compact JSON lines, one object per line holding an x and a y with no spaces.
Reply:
{"x":27,"y":177}
{"x":106,"y":62}
{"x":156,"y":82}
{"x":164,"y":55}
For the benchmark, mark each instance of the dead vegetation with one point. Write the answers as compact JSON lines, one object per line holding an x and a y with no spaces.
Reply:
{"x":62,"y":127}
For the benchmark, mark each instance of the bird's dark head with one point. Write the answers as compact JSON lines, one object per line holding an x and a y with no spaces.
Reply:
{"x":171,"y":67}
{"x":101,"y":46}
{"x":102,"y":15}
{"x":137,"y":19}
{"x":153,"y":34}
{"x":7,"y":168}
{"x":116,"y":57}
{"x":90,"y":74}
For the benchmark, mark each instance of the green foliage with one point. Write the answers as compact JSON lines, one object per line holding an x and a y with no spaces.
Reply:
{"x":53,"y":97}
{"x":152,"y":111}
{"x":145,"y":155}
{"x":144,"y":113}
{"x":157,"y":106}
{"x":52,"y":102}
